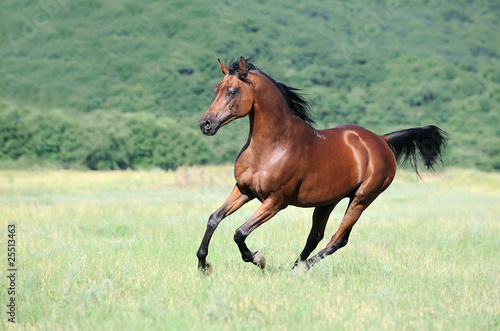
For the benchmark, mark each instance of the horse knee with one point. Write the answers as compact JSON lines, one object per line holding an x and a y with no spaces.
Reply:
{"x":239,"y":236}
{"x":213,"y":222}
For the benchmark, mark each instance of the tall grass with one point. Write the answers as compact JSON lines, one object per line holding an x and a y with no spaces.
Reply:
{"x":116,"y":250}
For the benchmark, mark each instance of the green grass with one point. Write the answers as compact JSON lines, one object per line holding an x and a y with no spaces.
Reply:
{"x":116,"y":250}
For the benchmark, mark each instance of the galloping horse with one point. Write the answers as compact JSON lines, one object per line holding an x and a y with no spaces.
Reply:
{"x":287,"y":162}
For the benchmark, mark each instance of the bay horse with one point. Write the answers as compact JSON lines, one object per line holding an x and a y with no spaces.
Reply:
{"x":287,"y":162}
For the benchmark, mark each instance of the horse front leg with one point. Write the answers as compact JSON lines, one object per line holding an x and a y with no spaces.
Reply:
{"x":235,"y":200}
{"x":268,"y":209}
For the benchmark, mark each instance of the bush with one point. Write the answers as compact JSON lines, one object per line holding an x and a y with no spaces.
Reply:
{"x":98,"y":140}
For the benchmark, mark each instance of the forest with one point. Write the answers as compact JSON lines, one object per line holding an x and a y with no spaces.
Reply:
{"x":121,"y":84}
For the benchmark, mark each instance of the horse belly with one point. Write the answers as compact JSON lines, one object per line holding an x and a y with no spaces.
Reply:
{"x":323,"y":189}
{"x":333,"y":173}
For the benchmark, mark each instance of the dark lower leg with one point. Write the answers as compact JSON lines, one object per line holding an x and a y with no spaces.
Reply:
{"x":341,"y":237}
{"x":320,"y":219}
{"x":331,"y":248}
{"x":267,"y":210}
{"x":246,"y":254}
{"x":202,"y":252}
{"x":239,"y":238}
{"x":233,"y":203}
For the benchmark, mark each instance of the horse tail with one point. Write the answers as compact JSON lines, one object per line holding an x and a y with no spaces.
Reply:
{"x":428,"y":141}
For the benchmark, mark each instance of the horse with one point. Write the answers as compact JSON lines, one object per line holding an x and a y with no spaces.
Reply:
{"x":286,"y":161}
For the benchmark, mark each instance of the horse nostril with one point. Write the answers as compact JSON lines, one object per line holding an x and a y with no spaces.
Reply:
{"x":206,"y":125}
{"x":207,"y":128}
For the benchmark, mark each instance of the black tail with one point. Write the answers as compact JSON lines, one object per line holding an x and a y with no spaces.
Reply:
{"x":430,"y":141}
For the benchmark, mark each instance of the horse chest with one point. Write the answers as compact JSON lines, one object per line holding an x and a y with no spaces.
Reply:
{"x":256,"y":183}
{"x":261,"y":179}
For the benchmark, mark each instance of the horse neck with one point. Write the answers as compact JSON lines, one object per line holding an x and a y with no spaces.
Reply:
{"x":271,"y":120}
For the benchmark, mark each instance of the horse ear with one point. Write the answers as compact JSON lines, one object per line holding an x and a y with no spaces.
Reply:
{"x":243,"y":66}
{"x":223,"y":68}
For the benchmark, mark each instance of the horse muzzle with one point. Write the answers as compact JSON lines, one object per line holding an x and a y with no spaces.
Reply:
{"x":209,"y":126}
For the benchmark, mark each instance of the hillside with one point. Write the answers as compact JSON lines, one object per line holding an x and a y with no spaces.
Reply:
{"x":141,"y":74}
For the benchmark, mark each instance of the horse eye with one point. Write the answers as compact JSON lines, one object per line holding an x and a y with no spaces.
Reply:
{"x":232,"y":92}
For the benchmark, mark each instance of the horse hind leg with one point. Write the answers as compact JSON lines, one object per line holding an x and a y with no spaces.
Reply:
{"x":356,"y":206}
{"x":320,"y":219}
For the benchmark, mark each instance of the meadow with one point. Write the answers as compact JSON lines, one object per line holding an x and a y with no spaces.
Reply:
{"x":116,"y":250}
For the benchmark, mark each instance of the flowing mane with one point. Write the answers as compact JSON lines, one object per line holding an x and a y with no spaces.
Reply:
{"x":296,"y":103}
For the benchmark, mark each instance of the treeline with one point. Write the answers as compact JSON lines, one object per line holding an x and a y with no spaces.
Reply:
{"x":119,"y":84}
{"x":114,"y":140}
{"x":100,"y":140}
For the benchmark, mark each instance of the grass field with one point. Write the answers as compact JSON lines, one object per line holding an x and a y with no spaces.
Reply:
{"x":116,"y":250}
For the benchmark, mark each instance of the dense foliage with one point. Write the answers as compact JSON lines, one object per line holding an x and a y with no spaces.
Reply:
{"x":119,"y":84}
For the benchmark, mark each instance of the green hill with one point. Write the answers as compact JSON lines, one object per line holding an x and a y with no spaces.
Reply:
{"x":121,"y":84}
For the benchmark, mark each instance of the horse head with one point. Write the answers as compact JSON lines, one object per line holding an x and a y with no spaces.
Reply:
{"x":233,"y":98}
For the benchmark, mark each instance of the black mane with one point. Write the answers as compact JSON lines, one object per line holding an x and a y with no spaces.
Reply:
{"x":296,"y":103}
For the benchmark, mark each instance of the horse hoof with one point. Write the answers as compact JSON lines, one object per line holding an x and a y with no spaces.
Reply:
{"x":303,"y":266}
{"x":207,"y":270}
{"x":259,"y":260}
